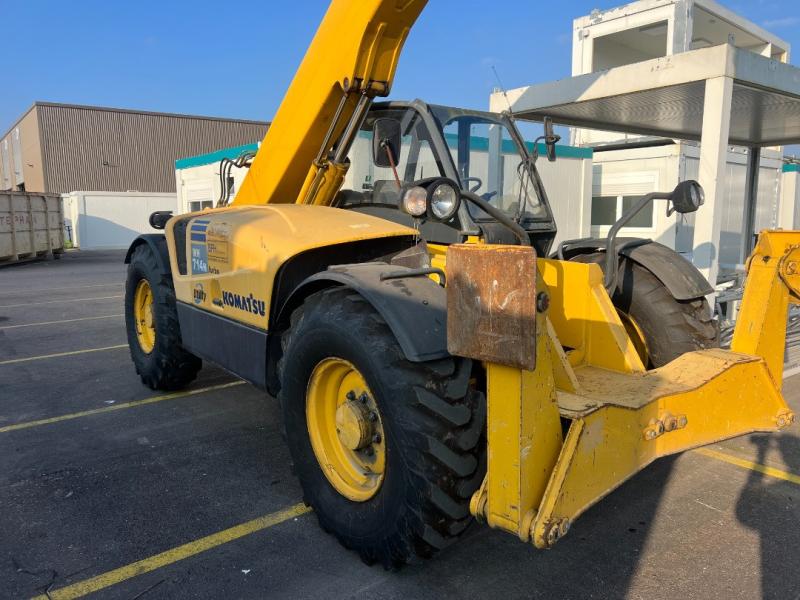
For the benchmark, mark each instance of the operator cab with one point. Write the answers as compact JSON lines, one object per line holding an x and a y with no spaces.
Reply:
{"x":482,"y":152}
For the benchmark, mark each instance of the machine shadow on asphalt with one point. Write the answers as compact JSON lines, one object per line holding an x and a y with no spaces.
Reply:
{"x":764,"y":507}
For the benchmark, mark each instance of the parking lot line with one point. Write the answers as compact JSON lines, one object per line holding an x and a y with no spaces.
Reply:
{"x":113,"y":407}
{"x":60,"y":301}
{"x":62,"y":321}
{"x":94,"y":584}
{"x":12,"y":361}
{"x":748,"y":464}
{"x":169,"y":557}
{"x":58,"y":289}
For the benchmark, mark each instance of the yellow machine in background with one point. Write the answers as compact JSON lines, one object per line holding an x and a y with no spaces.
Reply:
{"x":433,"y":364}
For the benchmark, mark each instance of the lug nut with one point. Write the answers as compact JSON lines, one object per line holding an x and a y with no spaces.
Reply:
{"x":542,"y":302}
{"x":364,"y":398}
{"x":376,"y":439}
{"x":369,"y":451}
{"x":373,"y":417}
{"x":351,"y":395}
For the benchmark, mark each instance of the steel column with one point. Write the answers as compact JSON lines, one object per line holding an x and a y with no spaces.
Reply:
{"x":713,"y":159}
{"x":750,"y":201}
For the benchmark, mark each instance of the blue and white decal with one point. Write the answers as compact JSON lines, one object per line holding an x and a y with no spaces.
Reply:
{"x":199,"y":249}
{"x":199,"y":230}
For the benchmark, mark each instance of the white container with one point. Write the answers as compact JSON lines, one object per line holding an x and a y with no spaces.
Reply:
{"x":112,"y":220}
{"x":31,"y":225}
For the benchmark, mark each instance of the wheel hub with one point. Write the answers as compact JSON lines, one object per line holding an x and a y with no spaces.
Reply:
{"x":143,"y":316}
{"x":345,"y":429}
{"x":353,"y":424}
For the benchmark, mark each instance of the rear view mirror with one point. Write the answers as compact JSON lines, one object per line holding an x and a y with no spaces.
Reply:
{"x":385,"y":142}
{"x":687,"y":197}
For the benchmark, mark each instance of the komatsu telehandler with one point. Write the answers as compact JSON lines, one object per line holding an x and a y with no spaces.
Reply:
{"x":433,"y":365}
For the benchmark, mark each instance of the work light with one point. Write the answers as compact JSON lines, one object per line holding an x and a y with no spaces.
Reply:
{"x":444,"y":200}
{"x":415,"y":201}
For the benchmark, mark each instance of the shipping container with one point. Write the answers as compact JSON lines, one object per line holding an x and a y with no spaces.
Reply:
{"x":31,"y":226}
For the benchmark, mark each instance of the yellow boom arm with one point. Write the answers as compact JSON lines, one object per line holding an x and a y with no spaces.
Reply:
{"x":351,"y":60}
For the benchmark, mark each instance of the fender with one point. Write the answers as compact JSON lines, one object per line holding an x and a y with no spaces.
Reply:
{"x":679,"y":276}
{"x":158,"y":244}
{"x":414,"y":307}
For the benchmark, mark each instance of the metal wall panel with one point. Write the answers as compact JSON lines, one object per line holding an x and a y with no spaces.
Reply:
{"x":88,"y":148}
{"x":732,"y":210}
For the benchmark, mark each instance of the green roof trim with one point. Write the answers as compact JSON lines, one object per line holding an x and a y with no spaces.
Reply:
{"x":791,"y":168}
{"x":214,"y":157}
{"x":480,"y":144}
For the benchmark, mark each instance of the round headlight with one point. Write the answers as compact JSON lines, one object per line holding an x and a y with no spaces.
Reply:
{"x":415,"y":201}
{"x":444,"y":201}
{"x":687,"y":197}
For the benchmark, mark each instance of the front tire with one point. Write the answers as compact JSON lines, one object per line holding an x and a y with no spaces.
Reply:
{"x":151,"y":321}
{"x":432,"y":420}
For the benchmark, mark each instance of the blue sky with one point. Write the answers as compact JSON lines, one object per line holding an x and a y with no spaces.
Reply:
{"x":236,"y":59}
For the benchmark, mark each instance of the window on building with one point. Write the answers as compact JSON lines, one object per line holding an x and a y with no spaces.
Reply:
{"x":200,"y":205}
{"x":16,"y":154}
{"x":199,"y":195}
{"x":630,"y":46}
{"x":644,"y":218}
{"x":606,"y":210}
{"x":7,"y":181}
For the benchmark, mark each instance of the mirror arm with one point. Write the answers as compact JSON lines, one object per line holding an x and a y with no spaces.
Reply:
{"x":610,"y":275}
{"x":501,"y":217}
{"x":390,"y":155}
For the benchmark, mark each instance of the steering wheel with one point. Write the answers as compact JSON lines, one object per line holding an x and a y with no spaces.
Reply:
{"x":478,"y":184}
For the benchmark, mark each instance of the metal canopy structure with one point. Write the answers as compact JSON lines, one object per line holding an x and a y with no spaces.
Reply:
{"x":719,"y":96}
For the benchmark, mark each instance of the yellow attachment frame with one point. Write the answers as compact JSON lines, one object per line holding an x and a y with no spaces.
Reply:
{"x":622,"y":417}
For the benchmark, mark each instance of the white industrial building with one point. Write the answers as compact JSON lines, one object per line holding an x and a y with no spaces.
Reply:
{"x":620,"y":176}
{"x":651,"y":81}
{"x":648,"y":29}
{"x":197,"y":178}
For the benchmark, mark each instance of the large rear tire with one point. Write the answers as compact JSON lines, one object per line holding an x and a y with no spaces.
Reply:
{"x":151,"y":321}
{"x":661,"y":327}
{"x":416,"y":497}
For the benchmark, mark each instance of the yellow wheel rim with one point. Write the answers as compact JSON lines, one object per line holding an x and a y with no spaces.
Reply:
{"x":636,"y":335}
{"x":345,"y":428}
{"x":143,"y":316}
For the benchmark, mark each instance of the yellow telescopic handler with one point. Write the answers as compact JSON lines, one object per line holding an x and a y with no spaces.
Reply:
{"x":387,"y":271}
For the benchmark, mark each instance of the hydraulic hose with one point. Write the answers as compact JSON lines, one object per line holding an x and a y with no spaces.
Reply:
{"x":501,"y":217}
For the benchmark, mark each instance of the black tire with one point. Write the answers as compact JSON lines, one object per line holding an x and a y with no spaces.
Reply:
{"x":671,"y":327}
{"x":168,"y":366}
{"x":433,"y":419}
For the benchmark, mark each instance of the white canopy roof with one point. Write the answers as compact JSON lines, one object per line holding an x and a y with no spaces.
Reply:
{"x":665,"y":97}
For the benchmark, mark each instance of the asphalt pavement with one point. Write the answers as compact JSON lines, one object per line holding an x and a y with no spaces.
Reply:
{"x":111,"y":489}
